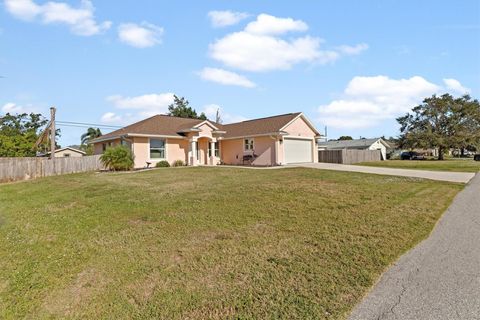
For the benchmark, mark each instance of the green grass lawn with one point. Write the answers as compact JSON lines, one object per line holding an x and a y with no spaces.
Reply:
{"x":457,"y":165}
{"x":206,"y":243}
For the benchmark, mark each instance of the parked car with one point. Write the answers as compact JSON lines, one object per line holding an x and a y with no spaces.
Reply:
{"x":411,"y":155}
{"x":476,"y":157}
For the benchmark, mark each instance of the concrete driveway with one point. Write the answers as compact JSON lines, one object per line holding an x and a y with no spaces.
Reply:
{"x":461,"y":177}
{"x":438,"y":279}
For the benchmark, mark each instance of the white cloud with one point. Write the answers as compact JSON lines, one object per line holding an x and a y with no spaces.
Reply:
{"x":81,"y":20}
{"x":353,"y":50}
{"x":251,"y":52}
{"x":140,"y":36}
{"x":367,"y":101}
{"x":14,"y":108}
{"x":111,"y":117}
{"x":270,"y":25}
{"x":211,"y":111}
{"x":455,"y":86}
{"x":226,"y":18}
{"x":146,"y":105}
{"x":259,"y":46}
{"x":23,"y":9}
{"x":225,"y":77}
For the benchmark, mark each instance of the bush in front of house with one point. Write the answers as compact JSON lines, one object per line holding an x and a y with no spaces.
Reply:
{"x":162,"y":164}
{"x":118,"y":158}
{"x":178,"y":163}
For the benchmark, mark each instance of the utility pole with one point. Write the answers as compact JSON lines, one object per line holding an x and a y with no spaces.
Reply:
{"x":52,"y":136}
{"x":218,"y":119}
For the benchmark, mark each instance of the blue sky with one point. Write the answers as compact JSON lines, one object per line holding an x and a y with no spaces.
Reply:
{"x":351,"y":65}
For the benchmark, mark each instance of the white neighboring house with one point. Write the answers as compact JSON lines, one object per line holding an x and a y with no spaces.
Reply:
{"x":358,"y":144}
{"x":68,"y":152}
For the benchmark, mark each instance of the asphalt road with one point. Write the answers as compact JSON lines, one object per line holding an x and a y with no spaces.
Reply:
{"x":438,"y":279}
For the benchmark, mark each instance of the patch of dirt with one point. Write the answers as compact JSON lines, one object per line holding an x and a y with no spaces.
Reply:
{"x":3,"y":285}
{"x":85,"y":287}
{"x":211,"y":312}
{"x":142,"y":289}
{"x":140,"y":221}
{"x":53,"y":208}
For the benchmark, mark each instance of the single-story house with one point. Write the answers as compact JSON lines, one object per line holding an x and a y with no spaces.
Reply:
{"x":271,"y":141}
{"x":358,"y":144}
{"x":67,"y":152}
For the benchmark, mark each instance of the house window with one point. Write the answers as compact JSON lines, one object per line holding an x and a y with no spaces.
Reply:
{"x":66,"y":155}
{"x":248,"y":144}
{"x":105,"y":146}
{"x":126,"y":143}
{"x":216,"y":151}
{"x":157,"y":149}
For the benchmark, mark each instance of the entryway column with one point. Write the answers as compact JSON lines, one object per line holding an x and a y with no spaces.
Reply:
{"x":212,"y":153}
{"x":193,"y":154}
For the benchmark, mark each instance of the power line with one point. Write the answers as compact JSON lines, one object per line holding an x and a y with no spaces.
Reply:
{"x":67,"y":123}
{"x":83,"y":126}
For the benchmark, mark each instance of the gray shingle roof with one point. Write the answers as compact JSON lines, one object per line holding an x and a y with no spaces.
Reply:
{"x":173,"y":126}
{"x":258,"y":126}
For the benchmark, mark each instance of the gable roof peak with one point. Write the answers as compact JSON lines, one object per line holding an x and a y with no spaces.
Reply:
{"x":269,"y":117}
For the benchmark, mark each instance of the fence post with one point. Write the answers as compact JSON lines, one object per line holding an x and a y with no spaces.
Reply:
{"x":52,"y":137}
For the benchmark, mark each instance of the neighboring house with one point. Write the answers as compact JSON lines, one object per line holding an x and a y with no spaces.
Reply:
{"x":68,"y":152}
{"x":277,"y":140}
{"x":358,"y":144}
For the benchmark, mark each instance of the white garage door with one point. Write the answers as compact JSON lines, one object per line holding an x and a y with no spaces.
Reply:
{"x":297,"y":150}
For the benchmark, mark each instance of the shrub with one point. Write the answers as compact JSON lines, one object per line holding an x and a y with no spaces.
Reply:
{"x":178,"y":163}
{"x":162,"y":164}
{"x":118,"y":158}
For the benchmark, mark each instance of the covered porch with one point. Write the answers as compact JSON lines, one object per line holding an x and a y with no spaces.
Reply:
{"x":204,"y":151}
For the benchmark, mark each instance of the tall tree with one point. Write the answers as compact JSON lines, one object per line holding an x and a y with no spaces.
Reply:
{"x":345,"y":138}
{"x":441,"y":122}
{"x":91,"y":134}
{"x":180,"y":108}
{"x":88,"y":136}
{"x":18,"y":134}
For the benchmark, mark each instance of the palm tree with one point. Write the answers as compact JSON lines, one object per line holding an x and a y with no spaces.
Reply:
{"x":91,"y":134}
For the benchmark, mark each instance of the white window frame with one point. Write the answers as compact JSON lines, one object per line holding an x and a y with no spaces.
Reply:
{"x":216,"y":150}
{"x":248,"y":144}
{"x":164,"y":152}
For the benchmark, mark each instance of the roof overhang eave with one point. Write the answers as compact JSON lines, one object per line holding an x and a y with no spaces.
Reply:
{"x":100,"y":139}
{"x":189,"y":130}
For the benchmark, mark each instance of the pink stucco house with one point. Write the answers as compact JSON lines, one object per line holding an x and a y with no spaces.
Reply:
{"x":271,"y":141}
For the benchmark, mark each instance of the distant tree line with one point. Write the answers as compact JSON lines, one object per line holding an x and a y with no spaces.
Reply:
{"x":442,"y":122}
{"x":19,"y":132}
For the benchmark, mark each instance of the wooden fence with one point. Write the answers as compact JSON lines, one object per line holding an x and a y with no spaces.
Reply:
{"x":16,"y":169}
{"x":347,"y":156}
